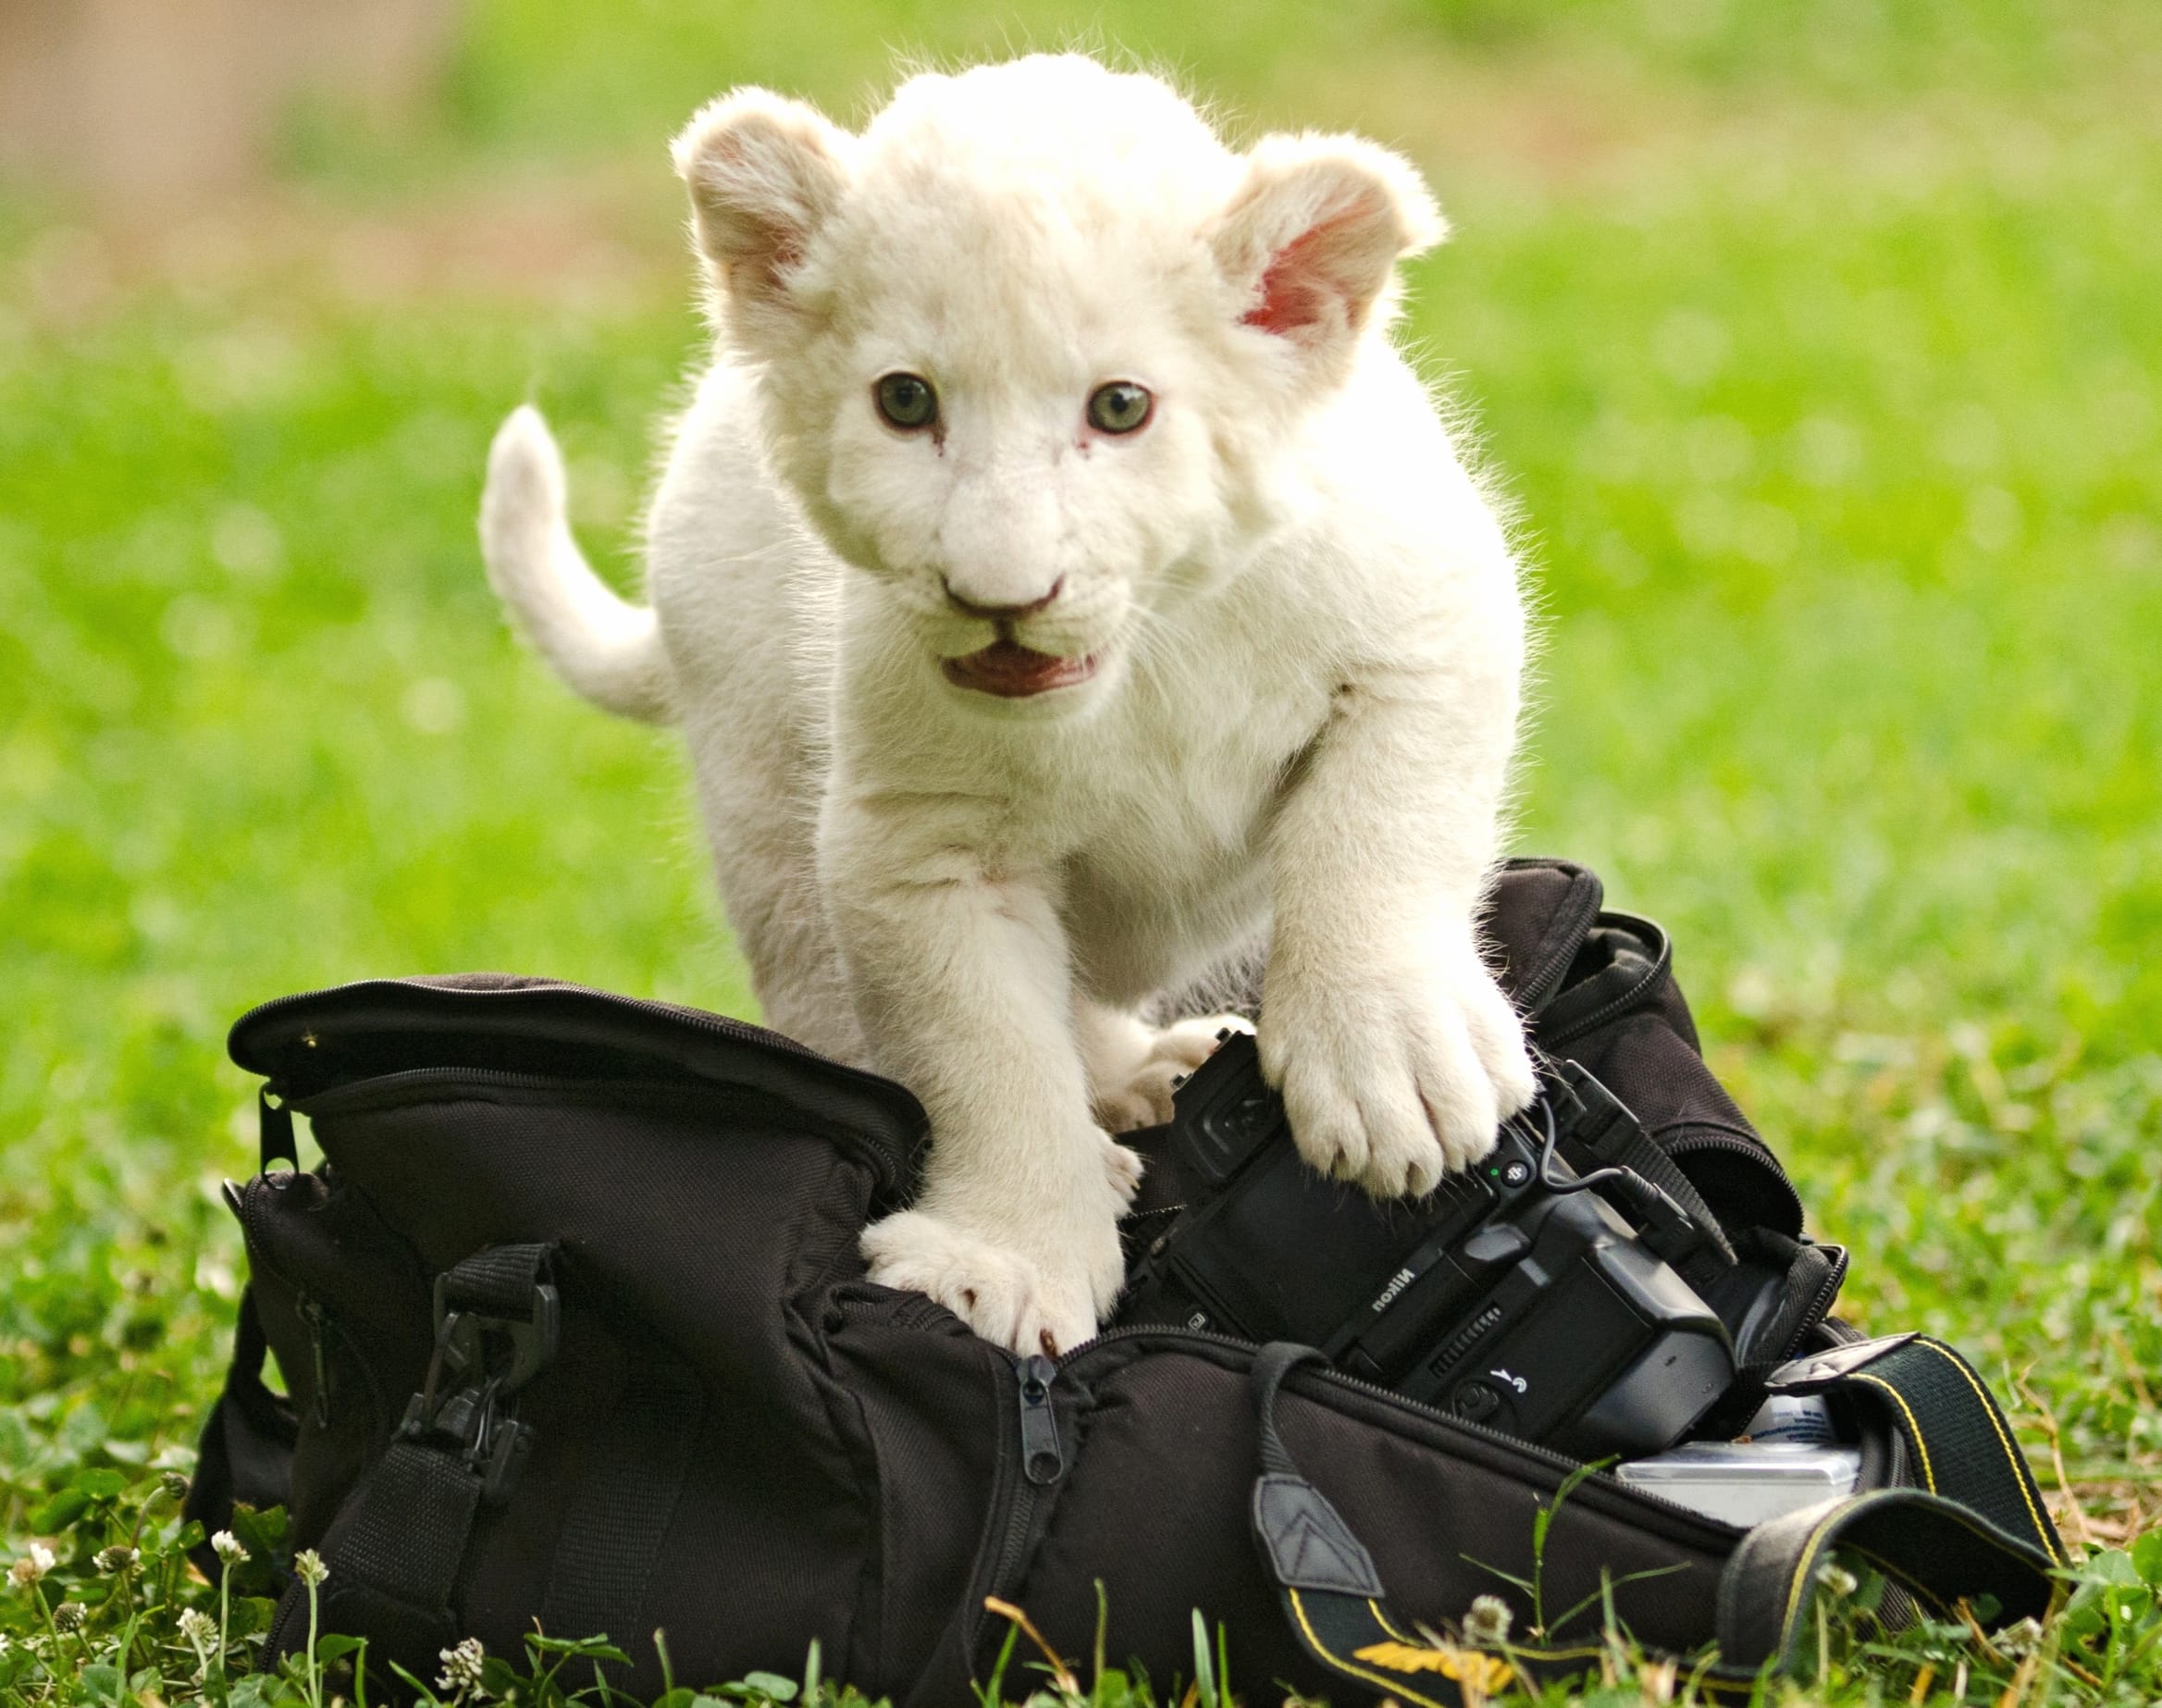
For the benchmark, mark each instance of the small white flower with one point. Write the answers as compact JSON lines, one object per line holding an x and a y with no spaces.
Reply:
{"x":1836,"y":1580}
{"x":2021,"y":1639}
{"x":115,"y":1560}
{"x":69,"y":1615}
{"x":461,"y":1668}
{"x":199,"y":1630}
{"x":31,"y":1567}
{"x":1486,"y":1621}
{"x":228,"y":1548}
{"x":307,"y":1565}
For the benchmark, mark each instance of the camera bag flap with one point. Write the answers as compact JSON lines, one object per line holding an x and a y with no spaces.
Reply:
{"x":503,"y":1025}
{"x":573,"y":1329}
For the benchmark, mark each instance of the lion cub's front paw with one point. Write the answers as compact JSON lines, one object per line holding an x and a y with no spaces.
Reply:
{"x":1122,"y":1167}
{"x":1043,"y":1300}
{"x":1394,"y":1081}
{"x":1131,"y":1087}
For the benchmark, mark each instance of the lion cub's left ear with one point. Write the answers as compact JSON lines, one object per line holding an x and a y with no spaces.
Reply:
{"x":1310,"y":241}
{"x":764,"y":174}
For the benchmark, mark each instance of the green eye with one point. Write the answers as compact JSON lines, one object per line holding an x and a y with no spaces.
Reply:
{"x":1120,"y":407}
{"x":907,"y":400}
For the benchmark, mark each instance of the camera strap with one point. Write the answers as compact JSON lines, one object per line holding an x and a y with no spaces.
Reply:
{"x":1598,"y":1131}
{"x":1975,"y":1529}
{"x":1957,"y":1442}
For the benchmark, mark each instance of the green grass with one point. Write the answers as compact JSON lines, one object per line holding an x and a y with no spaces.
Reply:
{"x":1816,"y":345}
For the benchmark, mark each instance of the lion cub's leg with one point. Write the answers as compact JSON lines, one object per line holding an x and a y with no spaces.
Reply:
{"x":1131,"y":1066}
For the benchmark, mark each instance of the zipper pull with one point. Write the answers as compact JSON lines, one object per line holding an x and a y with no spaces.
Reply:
{"x":274,"y":1126}
{"x":312,"y":1314}
{"x":1042,"y":1462}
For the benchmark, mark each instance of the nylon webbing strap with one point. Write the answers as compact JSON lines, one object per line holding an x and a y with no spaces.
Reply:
{"x":1328,"y":1586}
{"x":392,"y":1574}
{"x":1957,"y":1442}
{"x":1939,"y":1551}
{"x":1642,"y":1154}
{"x":1332,"y":1596}
{"x":245,"y":1450}
{"x":1599,"y":1131}
{"x":500,"y":1282}
{"x":395,"y":1565}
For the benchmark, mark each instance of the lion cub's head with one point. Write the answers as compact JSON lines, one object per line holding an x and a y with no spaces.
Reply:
{"x":1028,"y":343}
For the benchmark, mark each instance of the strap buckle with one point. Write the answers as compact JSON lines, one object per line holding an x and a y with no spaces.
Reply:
{"x":480,"y":1362}
{"x":464,"y":1340}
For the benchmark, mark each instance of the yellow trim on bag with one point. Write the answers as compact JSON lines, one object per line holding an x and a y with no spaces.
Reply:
{"x":2020,"y":1474}
{"x":1929,"y":1477}
{"x":1387,"y":1683}
{"x":1804,"y":1570}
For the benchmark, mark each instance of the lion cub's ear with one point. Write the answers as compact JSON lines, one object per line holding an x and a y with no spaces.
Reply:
{"x":1310,"y":241}
{"x":764,"y":173}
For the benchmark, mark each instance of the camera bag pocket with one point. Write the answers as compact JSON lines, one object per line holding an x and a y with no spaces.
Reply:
{"x":685,"y":1191}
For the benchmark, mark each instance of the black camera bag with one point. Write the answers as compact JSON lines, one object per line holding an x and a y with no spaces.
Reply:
{"x":574,"y":1330}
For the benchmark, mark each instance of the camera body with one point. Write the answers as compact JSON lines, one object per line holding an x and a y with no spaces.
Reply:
{"x":1514,"y":1295}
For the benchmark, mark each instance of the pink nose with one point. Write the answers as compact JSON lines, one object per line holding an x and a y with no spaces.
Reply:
{"x":1003,"y":614}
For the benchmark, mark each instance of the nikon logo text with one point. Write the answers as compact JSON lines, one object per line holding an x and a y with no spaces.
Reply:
{"x":1397,"y":1284}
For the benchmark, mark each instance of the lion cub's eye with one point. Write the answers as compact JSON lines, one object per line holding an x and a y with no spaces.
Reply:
{"x":1119,"y":407}
{"x":907,"y":400}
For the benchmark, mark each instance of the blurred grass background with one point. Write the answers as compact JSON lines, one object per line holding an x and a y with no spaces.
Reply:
{"x":1817,"y":345}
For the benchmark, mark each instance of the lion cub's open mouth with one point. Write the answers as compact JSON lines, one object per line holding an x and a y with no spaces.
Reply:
{"x":1014,"y":672}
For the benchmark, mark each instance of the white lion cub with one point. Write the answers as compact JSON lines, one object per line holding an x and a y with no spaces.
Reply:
{"x":1062,"y":583}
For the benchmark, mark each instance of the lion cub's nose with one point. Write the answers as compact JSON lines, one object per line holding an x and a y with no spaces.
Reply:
{"x":1002,"y":614}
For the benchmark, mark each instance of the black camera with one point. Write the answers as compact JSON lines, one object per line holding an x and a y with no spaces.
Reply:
{"x":1519,"y":1294}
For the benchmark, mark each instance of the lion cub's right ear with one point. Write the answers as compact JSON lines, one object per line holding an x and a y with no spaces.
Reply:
{"x":764,"y":173}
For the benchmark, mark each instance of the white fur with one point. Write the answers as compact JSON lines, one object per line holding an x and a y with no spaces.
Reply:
{"x":609,"y":651}
{"x":1306,"y":620}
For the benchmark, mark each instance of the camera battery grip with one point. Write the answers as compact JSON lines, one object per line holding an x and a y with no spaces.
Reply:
{"x":1511,"y":1295}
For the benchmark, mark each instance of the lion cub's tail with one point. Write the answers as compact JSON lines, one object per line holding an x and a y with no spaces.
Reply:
{"x":607,"y":649}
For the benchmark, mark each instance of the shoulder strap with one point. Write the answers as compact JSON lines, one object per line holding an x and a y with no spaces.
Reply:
{"x":395,"y":1558}
{"x":1325,"y":1580}
{"x":1929,"y":1540}
{"x":245,"y":1454}
{"x":1333,"y":1598}
{"x":1958,"y":1444}
{"x":1939,"y":1551}
{"x":1974,"y":1526}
